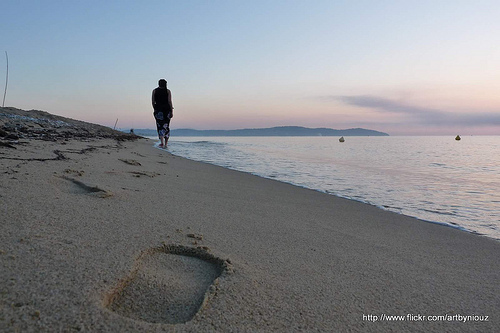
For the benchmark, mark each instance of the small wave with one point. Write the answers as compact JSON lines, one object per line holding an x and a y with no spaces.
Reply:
{"x":202,"y":142}
{"x":441,"y":212}
{"x":489,"y":225}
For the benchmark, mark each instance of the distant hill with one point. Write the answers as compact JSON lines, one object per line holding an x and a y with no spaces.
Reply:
{"x":273,"y":131}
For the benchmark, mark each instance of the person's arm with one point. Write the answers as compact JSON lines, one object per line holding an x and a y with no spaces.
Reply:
{"x":153,"y":101}
{"x":170,"y":103}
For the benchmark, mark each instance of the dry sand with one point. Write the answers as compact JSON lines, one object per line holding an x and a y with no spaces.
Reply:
{"x":112,"y":235}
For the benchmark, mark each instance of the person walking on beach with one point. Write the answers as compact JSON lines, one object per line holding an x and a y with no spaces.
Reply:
{"x":163,"y":111}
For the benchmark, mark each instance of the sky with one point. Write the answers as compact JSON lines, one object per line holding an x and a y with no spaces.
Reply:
{"x":401,"y":67}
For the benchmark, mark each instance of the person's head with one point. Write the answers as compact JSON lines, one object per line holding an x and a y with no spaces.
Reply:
{"x":162,"y":83}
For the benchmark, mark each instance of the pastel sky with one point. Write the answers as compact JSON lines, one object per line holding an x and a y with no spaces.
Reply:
{"x":402,"y":67}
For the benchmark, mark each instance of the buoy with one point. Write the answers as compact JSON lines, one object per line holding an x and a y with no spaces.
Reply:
{"x":458,"y":138}
{"x":341,"y":139}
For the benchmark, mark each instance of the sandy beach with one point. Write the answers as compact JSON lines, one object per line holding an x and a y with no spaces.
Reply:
{"x":102,"y":232}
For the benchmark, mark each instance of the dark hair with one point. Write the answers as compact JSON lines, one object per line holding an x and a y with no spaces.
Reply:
{"x":162,"y":83}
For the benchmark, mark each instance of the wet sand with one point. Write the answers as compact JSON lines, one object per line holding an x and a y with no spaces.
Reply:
{"x":108,"y":234}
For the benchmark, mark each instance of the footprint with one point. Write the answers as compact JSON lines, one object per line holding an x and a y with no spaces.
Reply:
{"x":168,"y":284}
{"x":144,"y":173}
{"x":75,"y":172}
{"x":86,"y":189}
{"x":131,"y":162}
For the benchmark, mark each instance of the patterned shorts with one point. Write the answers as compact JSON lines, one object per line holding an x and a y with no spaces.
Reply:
{"x":162,"y":124}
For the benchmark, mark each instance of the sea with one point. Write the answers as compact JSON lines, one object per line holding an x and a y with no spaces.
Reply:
{"x":435,"y":179}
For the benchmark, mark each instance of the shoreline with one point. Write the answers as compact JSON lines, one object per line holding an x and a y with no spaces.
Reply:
{"x":453,"y":226}
{"x":105,"y":233}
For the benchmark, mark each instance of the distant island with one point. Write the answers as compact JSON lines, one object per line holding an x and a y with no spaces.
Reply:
{"x":272,"y":131}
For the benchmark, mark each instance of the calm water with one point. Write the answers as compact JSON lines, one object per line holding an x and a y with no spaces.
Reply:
{"x":436,"y":179}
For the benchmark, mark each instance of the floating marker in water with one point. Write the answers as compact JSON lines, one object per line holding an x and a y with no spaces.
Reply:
{"x":341,"y":139}
{"x":458,"y":138}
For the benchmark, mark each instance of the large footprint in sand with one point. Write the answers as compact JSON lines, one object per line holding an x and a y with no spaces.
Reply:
{"x":167,"y":285}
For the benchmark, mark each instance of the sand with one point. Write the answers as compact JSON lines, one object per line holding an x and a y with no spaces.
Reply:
{"x":113,"y":235}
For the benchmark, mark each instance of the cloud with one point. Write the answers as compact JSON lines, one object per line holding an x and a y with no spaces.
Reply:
{"x":423,"y":115}
{"x":384,"y":104}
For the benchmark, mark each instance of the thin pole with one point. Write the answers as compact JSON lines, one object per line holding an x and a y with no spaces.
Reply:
{"x":116,"y":122}
{"x":6,"y":79}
